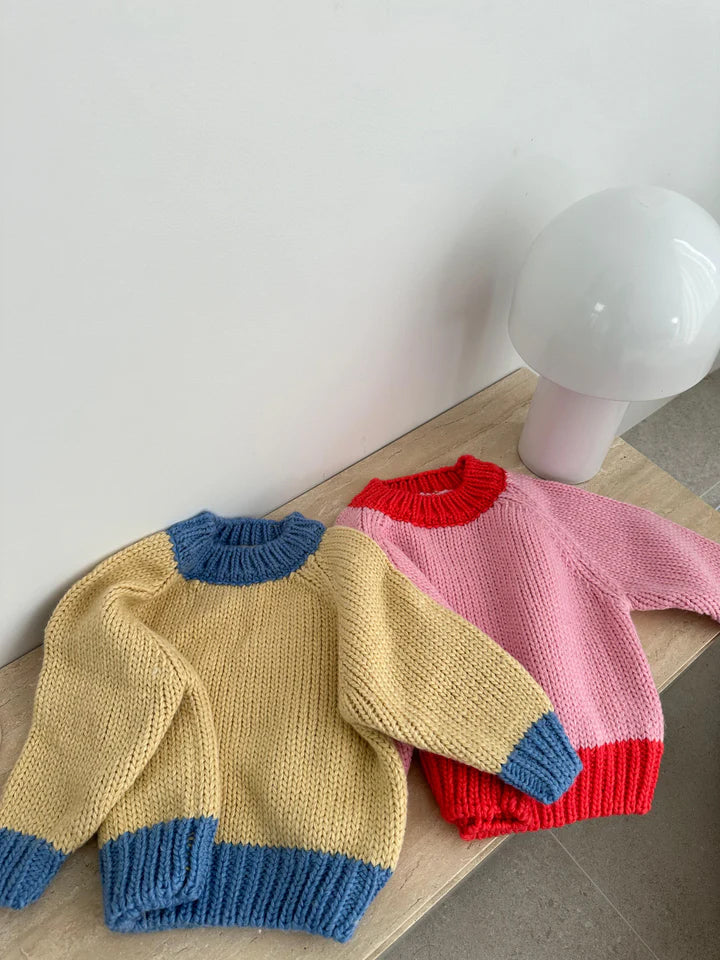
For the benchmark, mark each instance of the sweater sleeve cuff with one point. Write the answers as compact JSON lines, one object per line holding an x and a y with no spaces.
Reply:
{"x":544,"y":763}
{"x":155,"y":868}
{"x":27,"y":865}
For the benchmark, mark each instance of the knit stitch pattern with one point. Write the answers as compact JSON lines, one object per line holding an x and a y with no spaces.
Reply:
{"x":221,"y":703}
{"x":552,"y":573}
{"x":27,"y":865}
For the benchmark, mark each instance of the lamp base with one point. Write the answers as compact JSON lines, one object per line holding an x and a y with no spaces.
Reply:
{"x":567,"y":434}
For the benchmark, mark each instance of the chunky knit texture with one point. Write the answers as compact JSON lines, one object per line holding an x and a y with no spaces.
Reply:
{"x":552,"y":572}
{"x":222,"y":701}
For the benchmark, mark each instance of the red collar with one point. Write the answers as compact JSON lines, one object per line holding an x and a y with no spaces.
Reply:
{"x":446,"y":497}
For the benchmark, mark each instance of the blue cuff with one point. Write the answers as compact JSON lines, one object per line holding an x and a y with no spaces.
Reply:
{"x":27,"y":865}
{"x":544,"y":763}
{"x":155,"y":868}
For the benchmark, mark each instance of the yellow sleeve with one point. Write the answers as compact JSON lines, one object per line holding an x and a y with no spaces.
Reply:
{"x":418,"y":672}
{"x":107,"y":692}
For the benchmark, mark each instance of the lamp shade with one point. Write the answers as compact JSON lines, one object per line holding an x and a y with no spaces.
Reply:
{"x":619,"y":296}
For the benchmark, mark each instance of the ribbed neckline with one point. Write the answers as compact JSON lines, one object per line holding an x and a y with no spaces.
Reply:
{"x":449,"y":496}
{"x":242,"y":550}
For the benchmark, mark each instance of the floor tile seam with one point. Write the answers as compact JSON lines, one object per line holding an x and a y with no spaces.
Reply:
{"x":710,"y":489}
{"x":605,"y":896}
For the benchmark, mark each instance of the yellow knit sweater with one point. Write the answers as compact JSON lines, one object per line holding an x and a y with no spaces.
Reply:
{"x":221,"y":701}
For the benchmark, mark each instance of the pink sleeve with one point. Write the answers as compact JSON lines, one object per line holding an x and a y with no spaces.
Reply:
{"x":654,"y":562}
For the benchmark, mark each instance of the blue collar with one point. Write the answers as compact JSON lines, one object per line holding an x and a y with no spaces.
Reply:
{"x":242,"y":550}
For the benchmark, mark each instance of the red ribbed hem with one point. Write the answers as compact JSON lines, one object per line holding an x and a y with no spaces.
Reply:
{"x":617,"y":778}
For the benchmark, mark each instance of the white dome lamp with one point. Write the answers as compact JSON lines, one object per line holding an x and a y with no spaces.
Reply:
{"x":618,"y":300}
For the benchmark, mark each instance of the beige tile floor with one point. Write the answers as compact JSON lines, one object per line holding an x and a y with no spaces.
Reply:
{"x":627,"y":887}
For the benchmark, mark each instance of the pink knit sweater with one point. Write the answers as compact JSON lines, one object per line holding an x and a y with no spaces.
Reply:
{"x":552,"y":573}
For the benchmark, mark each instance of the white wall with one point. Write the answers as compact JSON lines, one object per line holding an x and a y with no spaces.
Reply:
{"x":244,"y":244}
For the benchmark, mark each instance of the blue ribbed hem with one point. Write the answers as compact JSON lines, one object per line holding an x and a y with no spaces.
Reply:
{"x":27,"y":865}
{"x":160,"y":866}
{"x":544,"y":763}
{"x":236,"y":885}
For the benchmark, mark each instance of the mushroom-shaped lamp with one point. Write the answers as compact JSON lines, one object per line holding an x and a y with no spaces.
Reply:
{"x":618,"y":300}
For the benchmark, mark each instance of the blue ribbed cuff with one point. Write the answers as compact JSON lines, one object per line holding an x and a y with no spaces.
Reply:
{"x":27,"y":865}
{"x":544,"y":763}
{"x":154,"y":868}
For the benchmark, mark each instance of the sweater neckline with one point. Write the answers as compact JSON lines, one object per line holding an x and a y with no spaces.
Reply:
{"x":446,"y":497}
{"x":237,"y":551}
